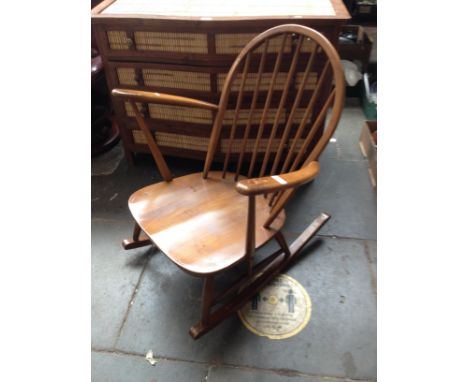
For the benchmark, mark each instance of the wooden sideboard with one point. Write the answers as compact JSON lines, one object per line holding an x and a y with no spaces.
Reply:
{"x":186,"y":48}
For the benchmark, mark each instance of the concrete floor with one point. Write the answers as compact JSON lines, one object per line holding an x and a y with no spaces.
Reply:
{"x":141,"y":301}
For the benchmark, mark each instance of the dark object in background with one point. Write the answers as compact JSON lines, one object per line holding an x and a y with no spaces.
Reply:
{"x":355,"y":44}
{"x":365,"y":11}
{"x":362,"y":10}
{"x":104,"y":130}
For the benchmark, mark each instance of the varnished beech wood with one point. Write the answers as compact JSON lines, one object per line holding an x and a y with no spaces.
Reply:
{"x":261,"y":41}
{"x":200,"y":224}
{"x":302,"y":126}
{"x":311,"y":134}
{"x":281,"y":104}
{"x":262,"y":275}
{"x":161,"y":98}
{"x":207,"y":299}
{"x":208,"y":222}
{"x":136,"y":232}
{"x":236,"y":113}
{"x":250,"y":239}
{"x":267,"y":104}
{"x":132,"y":244}
{"x":297,"y":101}
{"x":267,"y":184}
{"x":261,"y":67}
{"x":155,"y":151}
{"x":136,"y":241}
{"x":282,"y":243}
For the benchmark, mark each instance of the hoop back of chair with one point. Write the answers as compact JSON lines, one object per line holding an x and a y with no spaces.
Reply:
{"x":283,"y":76}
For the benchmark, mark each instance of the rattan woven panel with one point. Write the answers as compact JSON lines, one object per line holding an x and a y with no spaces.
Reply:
{"x":158,"y":41}
{"x":265,"y":82}
{"x":161,"y":78}
{"x":167,"y":42}
{"x":232,"y":43}
{"x":186,"y":48}
{"x":183,"y":141}
{"x":174,"y":113}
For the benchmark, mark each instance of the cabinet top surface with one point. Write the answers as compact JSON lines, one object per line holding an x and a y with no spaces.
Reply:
{"x":222,"y":10}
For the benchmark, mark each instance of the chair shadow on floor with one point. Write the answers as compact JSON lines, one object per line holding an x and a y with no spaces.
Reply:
{"x":139,"y":260}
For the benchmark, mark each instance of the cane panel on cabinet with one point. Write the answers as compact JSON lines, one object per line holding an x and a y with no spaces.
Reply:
{"x":187,"y":47}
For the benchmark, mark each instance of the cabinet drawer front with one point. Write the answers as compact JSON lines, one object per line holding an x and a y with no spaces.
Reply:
{"x":198,"y":81}
{"x":217,"y":44}
{"x":197,"y":143}
{"x":173,"y":140}
{"x":280,"y":82}
{"x":233,"y":43}
{"x":163,"y":78}
{"x":174,"y":113}
{"x":174,"y":42}
{"x":243,"y":117}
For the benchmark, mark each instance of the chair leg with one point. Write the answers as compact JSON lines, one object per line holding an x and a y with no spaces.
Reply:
{"x":262,"y":273}
{"x":282,"y":243}
{"x":136,"y":241}
{"x":207,"y":299}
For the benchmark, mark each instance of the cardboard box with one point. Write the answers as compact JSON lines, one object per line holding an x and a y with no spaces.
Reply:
{"x":369,"y":149}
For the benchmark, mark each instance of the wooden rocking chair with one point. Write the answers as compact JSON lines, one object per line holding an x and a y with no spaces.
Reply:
{"x":210,"y":221}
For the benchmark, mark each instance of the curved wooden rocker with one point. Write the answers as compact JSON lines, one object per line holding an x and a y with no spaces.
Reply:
{"x":210,"y":221}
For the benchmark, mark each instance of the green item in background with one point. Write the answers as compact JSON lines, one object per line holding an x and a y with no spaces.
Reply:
{"x":368,"y":99}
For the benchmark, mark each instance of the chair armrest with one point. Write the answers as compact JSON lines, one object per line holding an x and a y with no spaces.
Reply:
{"x":274,"y":183}
{"x":161,"y":98}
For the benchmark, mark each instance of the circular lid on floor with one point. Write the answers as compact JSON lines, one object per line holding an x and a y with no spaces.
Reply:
{"x":281,"y":310}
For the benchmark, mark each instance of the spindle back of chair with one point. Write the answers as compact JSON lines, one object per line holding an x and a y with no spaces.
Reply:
{"x":295,"y":133}
{"x":290,"y":140}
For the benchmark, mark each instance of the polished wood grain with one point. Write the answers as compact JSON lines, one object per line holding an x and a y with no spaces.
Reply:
{"x":161,"y":98}
{"x":267,"y":184}
{"x":136,"y":241}
{"x":300,"y":130}
{"x":200,"y":224}
{"x":298,"y":154}
{"x":263,"y":273}
{"x":158,"y":157}
{"x":297,"y":100}
{"x":236,"y":114}
{"x":219,"y":117}
{"x":266,"y":107}
{"x":208,"y":222}
{"x":291,"y":73}
{"x":251,"y":228}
